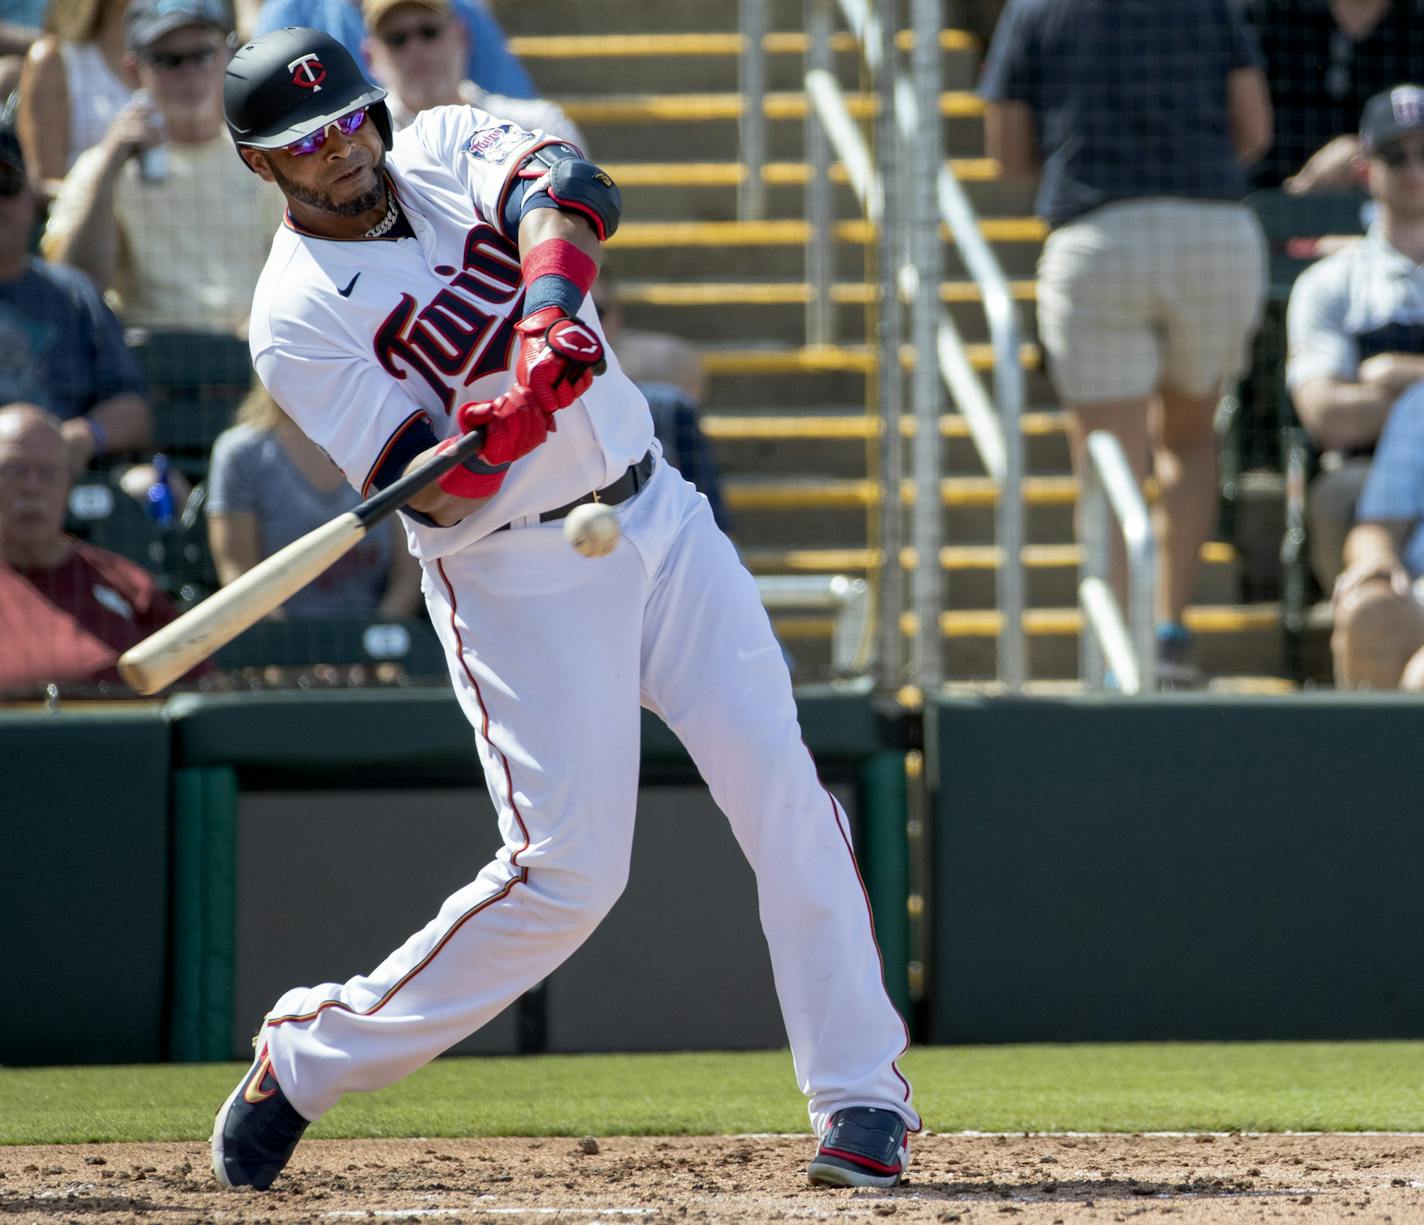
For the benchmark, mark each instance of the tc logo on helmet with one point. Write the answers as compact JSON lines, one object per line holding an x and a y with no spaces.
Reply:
{"x":307,"y":72}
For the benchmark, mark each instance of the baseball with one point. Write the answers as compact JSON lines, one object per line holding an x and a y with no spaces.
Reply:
{"x":592,"y":529}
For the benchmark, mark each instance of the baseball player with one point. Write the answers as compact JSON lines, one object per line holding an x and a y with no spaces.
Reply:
{"x":424,"y":286}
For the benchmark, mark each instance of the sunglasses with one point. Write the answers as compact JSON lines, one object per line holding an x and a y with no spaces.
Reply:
{"x":347,"y":125}
{"x":428,"y":33}
{"x":12,"y":182}
{"x":172,"y":61}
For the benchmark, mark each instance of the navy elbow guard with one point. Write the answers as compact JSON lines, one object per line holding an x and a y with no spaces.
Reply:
{"x":558,"y":176}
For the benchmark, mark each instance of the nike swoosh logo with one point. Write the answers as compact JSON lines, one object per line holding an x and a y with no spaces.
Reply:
{"x":262,"y":1084}
{"x":346,"y":293}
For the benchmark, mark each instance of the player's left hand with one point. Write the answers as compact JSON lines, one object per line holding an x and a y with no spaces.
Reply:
{"x":558,"y":357}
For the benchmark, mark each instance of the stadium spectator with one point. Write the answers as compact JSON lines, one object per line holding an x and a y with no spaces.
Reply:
{"x":1151,"y":283}
{"x":268,"y":484}
{"x":1378,"y":642}
{"x":1324,"y":60}
{"x":72,"y":86}
{"x":669,"y":372}
{"x":1355,"y":324}
{"x":418,"y":51}
{"x":68,"y":610}
{"x":489,"y":63}
{"x":60,"y":346}
{"x":180,"y":243}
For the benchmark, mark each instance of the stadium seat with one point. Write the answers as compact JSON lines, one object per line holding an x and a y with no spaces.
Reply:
{"x":195,"y":381}
{"x":1295,"y":227}
{"x":306,"y":642}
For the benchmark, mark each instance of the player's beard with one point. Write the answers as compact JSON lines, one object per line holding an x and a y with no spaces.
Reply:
{"x":354,"y":207}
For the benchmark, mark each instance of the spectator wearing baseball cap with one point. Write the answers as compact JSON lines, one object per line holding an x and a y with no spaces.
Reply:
{"x":160,"y":212}
{"x":489,"y":61}
{"x":1355,"y":326}
{"x":1324,"y":61}
{"x":418,"y":50}
{"x":60,"y":347}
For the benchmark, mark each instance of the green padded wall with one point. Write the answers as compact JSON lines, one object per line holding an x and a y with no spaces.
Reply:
{"x":1178,"y":868}
{"x":84,"y":882}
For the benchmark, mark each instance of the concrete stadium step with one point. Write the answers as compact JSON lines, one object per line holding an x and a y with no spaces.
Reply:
{"x":707,"y":191}
{"x":1231,"y":640}
{"x":706,"y":311}
{"x":644,"y":110}
{"x":673,"y":251}
{"x":770,"y":444}
{"x":971,"y":571}
{"x":665,"y":127}
{"x":804,"y":513}
{"x":733,"y":387}
{"x":814,"y":376}
{"x":542,"y":17}
{"x":586,"y":63}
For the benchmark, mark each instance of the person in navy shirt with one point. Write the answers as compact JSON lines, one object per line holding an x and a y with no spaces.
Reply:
{"x":60,"y":346}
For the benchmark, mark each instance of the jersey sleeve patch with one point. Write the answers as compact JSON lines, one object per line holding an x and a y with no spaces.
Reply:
{"x":494,"y":145}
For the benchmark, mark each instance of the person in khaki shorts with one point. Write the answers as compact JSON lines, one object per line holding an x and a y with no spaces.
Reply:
{"x":1138,"y":119}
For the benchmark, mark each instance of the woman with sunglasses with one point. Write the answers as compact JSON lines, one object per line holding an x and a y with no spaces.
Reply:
{"x":181,"y":252}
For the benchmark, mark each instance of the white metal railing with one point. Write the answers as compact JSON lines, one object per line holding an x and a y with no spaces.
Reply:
{"x":751,"y":84}
{"x":1107,"y":643}
{"x":847,"y":599}
{"x":994,"y":424}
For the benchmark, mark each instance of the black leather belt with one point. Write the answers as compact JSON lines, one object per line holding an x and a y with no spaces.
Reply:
{"x":619,"y":491}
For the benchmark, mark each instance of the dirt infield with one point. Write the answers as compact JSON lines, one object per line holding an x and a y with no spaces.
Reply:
{"x":732,"y":1181}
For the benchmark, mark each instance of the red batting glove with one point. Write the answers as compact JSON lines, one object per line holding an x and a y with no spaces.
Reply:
{"x":514,"y":425}
{"x":558,"y":357}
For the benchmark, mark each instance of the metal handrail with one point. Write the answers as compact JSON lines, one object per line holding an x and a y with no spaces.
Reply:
{"x":994,"y":426}
{"x":1106,"y":642}
{"x":751,"y":84}
{"x":845,"y":597}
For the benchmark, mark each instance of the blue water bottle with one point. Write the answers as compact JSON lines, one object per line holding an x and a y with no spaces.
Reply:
{"x":160,"y":493}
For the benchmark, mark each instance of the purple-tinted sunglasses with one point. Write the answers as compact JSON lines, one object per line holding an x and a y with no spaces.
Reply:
{"x":346,"y":125}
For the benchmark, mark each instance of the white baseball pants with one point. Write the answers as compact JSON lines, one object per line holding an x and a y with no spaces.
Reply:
{"x":551,"y":656}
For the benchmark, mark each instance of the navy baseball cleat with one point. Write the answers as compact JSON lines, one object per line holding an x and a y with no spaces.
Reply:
{"x":863,"y":1147}
{"x":256,"y":1130}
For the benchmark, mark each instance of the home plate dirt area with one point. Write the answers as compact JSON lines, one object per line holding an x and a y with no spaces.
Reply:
{"x":1021,"y":1179}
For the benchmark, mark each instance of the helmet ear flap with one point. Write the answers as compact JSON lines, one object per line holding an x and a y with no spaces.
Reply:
{"x":381,"y":115}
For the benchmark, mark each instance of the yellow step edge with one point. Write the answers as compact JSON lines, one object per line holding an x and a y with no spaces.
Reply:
{"x":776,"y":42}
{"x":791,"y":428}
{"x":957,"y":559}
{"x":791,"y":232}
{"x":704,"y":107}
{"x":788,"y":293}
{"x":832,"y":359}
{"x":779,"y":174}
{"x":1048,"y":622}
{"x":747,"y":493}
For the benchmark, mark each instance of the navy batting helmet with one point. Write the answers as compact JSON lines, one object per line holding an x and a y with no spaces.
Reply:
{"x":289,"y":83}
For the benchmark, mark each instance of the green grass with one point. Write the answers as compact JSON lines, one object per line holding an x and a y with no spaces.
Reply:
{"x":1170,"y":1087}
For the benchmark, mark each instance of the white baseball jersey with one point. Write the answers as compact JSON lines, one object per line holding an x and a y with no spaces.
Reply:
{"x":551,"y":654}
{"x":360,"y":340}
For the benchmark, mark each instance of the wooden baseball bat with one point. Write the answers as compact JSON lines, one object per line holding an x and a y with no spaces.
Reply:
{"x":167,"y":654}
